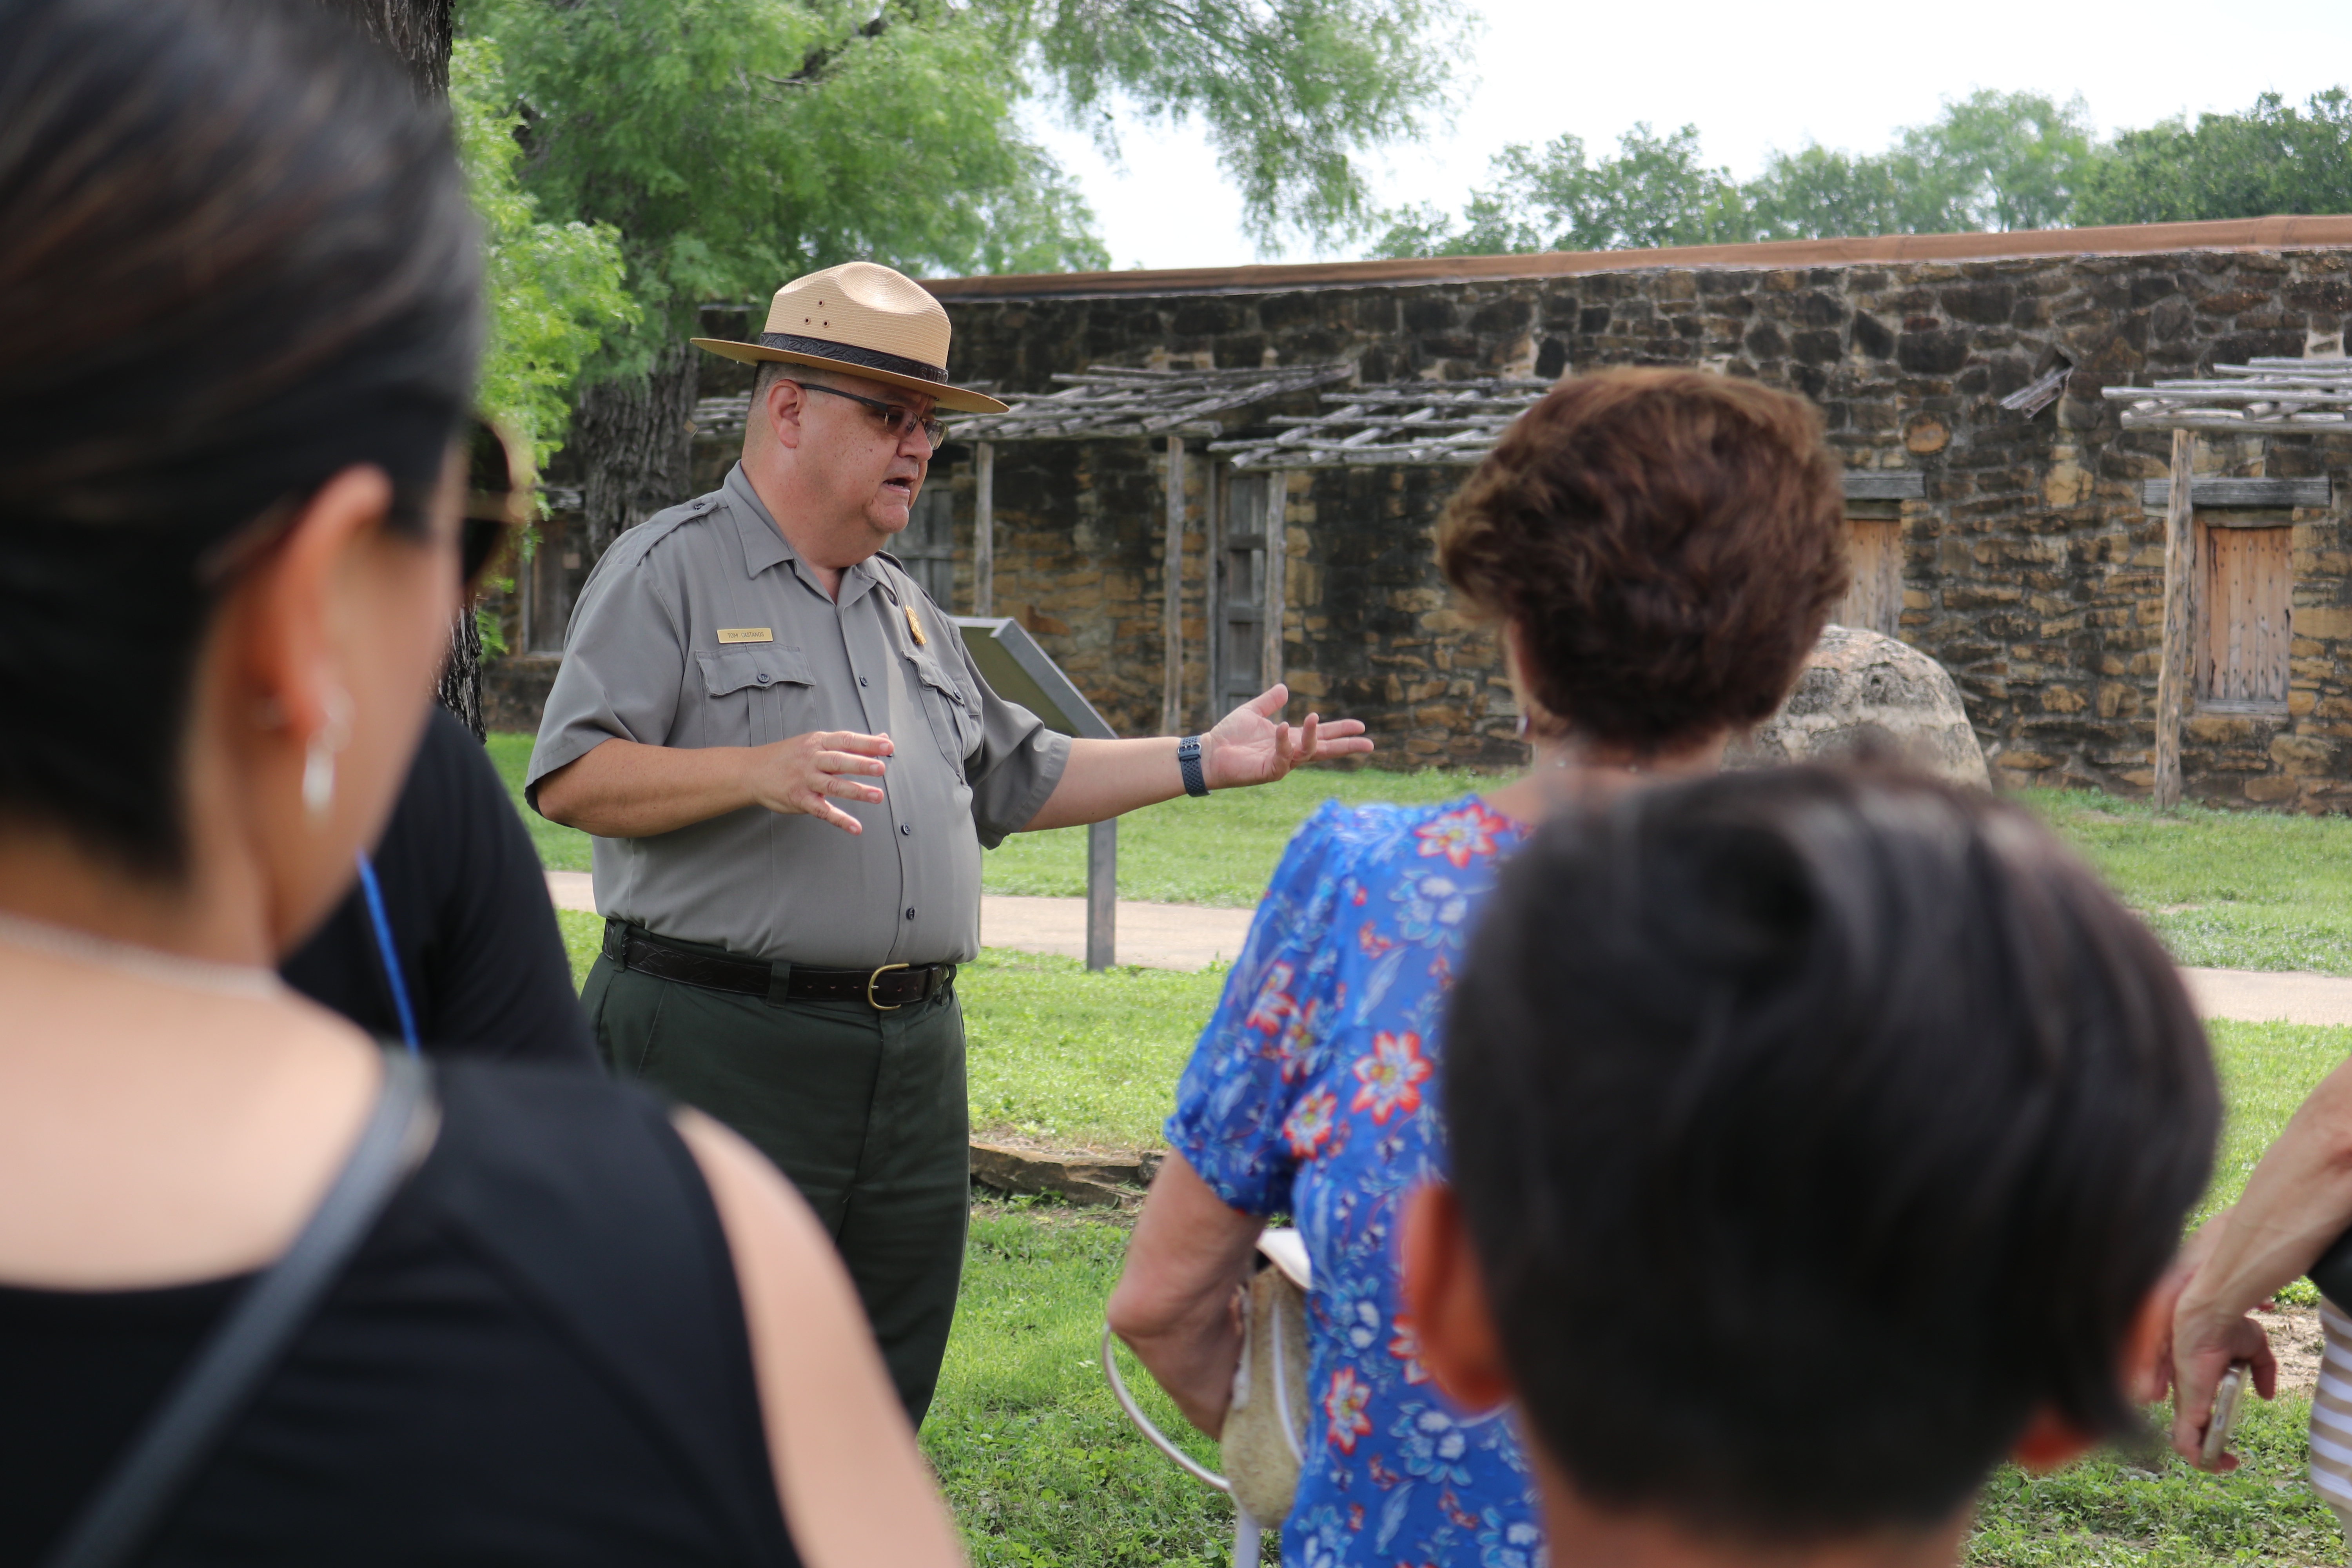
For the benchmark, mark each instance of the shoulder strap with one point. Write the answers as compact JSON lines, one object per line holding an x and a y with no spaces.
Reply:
{"x":118,"y":1518}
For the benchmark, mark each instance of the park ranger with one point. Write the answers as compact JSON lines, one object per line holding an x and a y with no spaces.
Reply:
{"x":790,"y":765}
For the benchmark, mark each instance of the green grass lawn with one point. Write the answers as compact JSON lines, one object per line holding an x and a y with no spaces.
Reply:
{"x":2238,"y":889}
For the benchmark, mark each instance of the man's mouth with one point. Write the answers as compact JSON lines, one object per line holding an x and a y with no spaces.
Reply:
{"x":899,"y":487}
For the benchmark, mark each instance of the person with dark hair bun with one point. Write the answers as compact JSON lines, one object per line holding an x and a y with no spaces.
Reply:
{"x":269,"y":1293}
{"x":1658,"y":551}
{"x":1872,"y":1080}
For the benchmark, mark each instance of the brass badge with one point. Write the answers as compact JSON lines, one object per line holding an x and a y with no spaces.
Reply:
{"x":746,"y":633}
{"x":914,"y":626}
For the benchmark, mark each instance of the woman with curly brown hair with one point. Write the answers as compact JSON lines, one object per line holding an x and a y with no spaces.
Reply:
{"x":1658,"y":551}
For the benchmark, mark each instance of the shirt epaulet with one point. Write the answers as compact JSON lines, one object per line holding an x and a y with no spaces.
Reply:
{"x":641,"y":539}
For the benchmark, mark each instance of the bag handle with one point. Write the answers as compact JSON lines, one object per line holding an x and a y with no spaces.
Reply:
{"x":117,"y":1519}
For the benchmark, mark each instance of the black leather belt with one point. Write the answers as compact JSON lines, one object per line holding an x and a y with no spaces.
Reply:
{"x":885,"y":989}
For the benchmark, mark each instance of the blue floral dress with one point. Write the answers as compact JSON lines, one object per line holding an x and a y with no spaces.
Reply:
{"x":1311,"y":1094}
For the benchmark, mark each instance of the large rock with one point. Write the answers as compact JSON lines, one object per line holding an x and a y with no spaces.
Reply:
{"x":1869,"y":694}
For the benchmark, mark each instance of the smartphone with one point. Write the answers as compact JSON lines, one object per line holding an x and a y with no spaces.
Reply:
{"x":2226,"y":1400}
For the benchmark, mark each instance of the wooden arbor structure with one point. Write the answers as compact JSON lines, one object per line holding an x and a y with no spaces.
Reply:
{"x":1110,"y":403}
{"x":2266,"y":396}
{"x":1451,"y":424}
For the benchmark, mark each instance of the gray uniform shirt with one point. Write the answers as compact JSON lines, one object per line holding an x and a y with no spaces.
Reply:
{"x":700,"y":627}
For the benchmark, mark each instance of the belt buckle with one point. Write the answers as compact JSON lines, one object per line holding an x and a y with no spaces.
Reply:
{"x":882,"y":1006}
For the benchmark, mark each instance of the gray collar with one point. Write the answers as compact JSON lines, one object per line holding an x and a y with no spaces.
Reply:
{"x":764,"y":544}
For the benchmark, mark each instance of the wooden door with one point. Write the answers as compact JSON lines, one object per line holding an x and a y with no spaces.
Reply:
{"x":927,"y":547}
{"x":1874,"y":601}
{"x":2246,"y":608}
{"x":1236,"y":653}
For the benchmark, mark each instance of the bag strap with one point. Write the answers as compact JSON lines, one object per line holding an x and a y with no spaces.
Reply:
{"x":118,"y":1518}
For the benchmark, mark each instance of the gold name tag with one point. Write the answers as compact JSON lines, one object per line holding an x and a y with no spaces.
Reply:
{"x":746,"y":633}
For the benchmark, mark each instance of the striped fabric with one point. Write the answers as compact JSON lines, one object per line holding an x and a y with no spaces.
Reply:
{"x":2331,"y":1415}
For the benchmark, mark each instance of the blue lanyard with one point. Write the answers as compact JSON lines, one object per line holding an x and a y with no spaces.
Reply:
{"x":391,"y":959}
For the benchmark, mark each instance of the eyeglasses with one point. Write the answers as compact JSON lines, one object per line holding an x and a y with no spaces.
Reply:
{"x":896,"y":418}
{"x":497,"y":501}
{"x":496,"y":507}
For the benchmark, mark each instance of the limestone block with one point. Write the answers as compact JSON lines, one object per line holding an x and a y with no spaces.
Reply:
{"x":1861,"y":690}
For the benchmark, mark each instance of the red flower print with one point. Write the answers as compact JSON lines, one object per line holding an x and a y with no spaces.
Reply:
{"x":1371,"y":941}
{"x":1405,"y":1346}
{"x":1344,"y":1406}
{"x":1274,"y":1002}
{"x":1459,"y":835}
{"x":1310,"y":1122}
{"x":1391,"y":1076}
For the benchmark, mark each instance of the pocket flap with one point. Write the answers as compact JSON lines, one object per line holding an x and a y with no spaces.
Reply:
{"x":928,"y":671}
{"x":734,"y":668}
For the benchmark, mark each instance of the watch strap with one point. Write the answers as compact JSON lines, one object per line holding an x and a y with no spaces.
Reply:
{"x":1188,"y":763}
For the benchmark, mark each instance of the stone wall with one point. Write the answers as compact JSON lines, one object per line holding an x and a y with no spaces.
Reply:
{"x":2031,"y":569}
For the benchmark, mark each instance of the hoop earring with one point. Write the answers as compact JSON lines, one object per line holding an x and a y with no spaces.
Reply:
{"x":319,"y":757}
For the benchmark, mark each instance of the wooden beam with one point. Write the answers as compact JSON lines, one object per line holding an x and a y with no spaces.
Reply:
{"x":2172,"y":674}
{"x":1171,"y":605}
{"x":2155,"y":495}
{"x":1884,"y":486}
{"x":983,"y":532}
{"x":1277,"y":549}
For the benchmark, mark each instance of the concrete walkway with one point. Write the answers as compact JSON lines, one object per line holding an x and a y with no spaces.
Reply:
{"x":1189,"y":936}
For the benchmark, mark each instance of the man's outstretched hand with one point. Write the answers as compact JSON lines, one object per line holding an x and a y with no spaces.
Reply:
{"x":1250,"y":746}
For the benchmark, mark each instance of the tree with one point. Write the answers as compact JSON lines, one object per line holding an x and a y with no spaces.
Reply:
{"x":735,"y":143}
{"x":1997,"y":161}
{"x":550,"y":290}
{"x":2273,"y":158}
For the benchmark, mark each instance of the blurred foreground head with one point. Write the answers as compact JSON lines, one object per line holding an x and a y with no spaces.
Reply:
{"x":1819,"y":1137}
{"x":238,"y":263}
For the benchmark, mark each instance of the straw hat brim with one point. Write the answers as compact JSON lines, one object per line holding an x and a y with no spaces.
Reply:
{"x":957,"y":399}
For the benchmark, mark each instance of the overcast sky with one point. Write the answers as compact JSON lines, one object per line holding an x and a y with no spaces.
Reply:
{"x":1752,"y":77}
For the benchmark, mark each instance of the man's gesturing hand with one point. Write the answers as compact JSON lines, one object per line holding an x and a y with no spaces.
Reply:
{"x":1250,"y":747}
{"x":801,"y":774}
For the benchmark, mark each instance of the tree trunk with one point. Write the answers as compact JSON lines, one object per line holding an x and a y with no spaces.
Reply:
{"x":417,"y":33}
{"x":631,"y":438}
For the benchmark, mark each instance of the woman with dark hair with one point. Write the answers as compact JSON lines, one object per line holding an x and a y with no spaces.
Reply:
{"x":1658,"y":551}
{"x":267,"y":1293}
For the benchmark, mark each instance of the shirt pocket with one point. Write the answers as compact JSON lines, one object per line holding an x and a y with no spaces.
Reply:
{"x":732,"y":679}
{"x":954,"y":716}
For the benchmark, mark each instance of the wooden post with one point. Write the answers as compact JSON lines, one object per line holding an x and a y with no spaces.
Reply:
{"x":1171,"y":610}
{"x":1277,"y":550}
{"x":983,"y":532}
{"x":1102,"y":894}
{"x":1214,"y":481}
{"x":2172,"y":674}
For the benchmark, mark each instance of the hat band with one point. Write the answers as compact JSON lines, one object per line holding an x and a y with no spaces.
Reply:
{"x":850,"y":353}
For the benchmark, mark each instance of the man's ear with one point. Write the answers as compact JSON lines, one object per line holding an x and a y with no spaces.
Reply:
{"x":780,"y":412}
{"x":1446,"y":1294}
{"x":2049,"y":1439}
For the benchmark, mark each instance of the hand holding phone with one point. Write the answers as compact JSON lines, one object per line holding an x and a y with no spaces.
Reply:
{"x":2226,"y":1400}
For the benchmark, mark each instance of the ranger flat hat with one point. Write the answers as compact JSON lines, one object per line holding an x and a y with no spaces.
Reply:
{"x":861,"y":319}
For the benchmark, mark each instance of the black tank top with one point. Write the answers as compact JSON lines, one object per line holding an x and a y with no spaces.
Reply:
{"x":538,"y":1356}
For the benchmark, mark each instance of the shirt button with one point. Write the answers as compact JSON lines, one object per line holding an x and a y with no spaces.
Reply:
{"x":861,"y":680}
{"x":911,"y":914}
{"x":905,"y":831}
{"x":763,"y":677}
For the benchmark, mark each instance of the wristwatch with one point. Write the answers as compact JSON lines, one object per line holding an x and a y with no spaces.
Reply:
{"x":1187,"y":760}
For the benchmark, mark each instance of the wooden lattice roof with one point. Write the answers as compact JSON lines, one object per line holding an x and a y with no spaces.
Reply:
{"x":1403,"y":422}
{"x":2273,"y":396}
{"x":1105,"y":400}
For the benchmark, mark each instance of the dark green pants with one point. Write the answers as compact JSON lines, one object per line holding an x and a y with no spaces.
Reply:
{"x":864,"y":1111}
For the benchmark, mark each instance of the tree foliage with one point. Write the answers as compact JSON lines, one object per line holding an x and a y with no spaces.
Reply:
{"x":1991,"y":160}
{"x":2274,"y":158}
{"x":552,"y":289}
{"x":735,"y":143}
